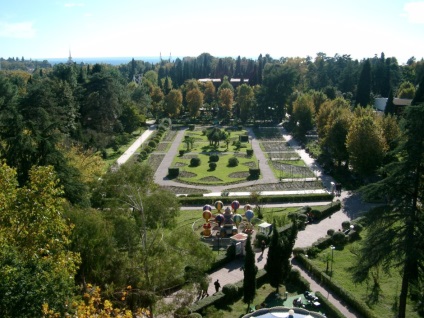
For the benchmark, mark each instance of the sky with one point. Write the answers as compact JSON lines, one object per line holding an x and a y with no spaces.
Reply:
{"x":42,"y":29}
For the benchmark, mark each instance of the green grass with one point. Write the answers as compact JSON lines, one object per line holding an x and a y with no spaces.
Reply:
{"x":389,"y":283}
{"x":223,"y":174}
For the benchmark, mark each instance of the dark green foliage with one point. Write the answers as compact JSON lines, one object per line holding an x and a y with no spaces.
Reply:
{"x":173,"y":172}
{"x":254,"y":173}
{"x":214,"y":158}
{"x":231,"y":292}
{"x":152,"y":144}
{"x":191,"y":127}
{"x":339,"y":238}
{"x":395,"y":232}
{"x":244,"y":138}
{"x":249,"y":152}
{"x":390,"y":106}
{"x":233,"y":162}
{"x":274,"y":262}
{"x":345,"y":225}
{"x":195,"y":162}
{"x":363,"y":93}
{"x":330,"y":232}
{"x":212,"y":165}
{"x":250,"y":270}
{"x":419,"y":94}
{"x":181,"y":152}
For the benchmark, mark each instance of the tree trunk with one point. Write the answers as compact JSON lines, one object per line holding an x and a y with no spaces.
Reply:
{"x":403,"y":292}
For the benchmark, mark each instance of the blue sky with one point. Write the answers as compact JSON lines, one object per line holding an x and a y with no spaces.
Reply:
{"x":132,"y":28}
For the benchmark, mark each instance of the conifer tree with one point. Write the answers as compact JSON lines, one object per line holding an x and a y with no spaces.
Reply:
{"x":390,"y":106}
{"x":363,"y":93}
{"x":274,"y":260}
{"x":250,"y":270}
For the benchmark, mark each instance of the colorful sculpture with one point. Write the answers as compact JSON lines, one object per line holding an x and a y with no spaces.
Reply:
{"x":219,"y":205}
{"x":235,"y":205}
{"x":237,"y":219}
{"x":207,"y":226}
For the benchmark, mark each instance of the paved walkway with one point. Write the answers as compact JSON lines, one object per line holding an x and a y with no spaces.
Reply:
{"x":232,"y":273}
{"x":133,"y":148}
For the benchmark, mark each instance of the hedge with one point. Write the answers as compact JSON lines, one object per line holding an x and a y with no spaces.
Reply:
{"x":266,"y":199}
{"x":355,"y":303}
{"x":173,"y":172}
{"x":331,"y":310}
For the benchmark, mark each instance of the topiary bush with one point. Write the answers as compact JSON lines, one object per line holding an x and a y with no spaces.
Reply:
{"x":191,"y":127}
{"x":212,"y":165}
{"x":173,"y":172}
{"x":195,"y":162}
{"x":339,"y":238}
{"x":181,"y":152}
{"x":231,"y":292}
{"x":244,"y":138}
{"x":233,"y":162}
{"x":330,"y":232}
{"x":214,"y":158}
{"x":249,"y":152}
{"x":152,"y":144}
{"x":254,"y":173}
{"x":345,"y":225}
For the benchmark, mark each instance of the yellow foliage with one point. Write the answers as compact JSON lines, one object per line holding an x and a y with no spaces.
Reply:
{"x":92,"y":305}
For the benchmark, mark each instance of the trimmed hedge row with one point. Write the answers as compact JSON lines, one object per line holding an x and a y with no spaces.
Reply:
{"x":332,"y":311}
{"x":355,"y":303}
{"x":197,"y":200}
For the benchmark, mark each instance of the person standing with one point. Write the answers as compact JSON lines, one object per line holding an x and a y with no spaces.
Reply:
{"x":263,"y":245}
{"x":217,"y":285}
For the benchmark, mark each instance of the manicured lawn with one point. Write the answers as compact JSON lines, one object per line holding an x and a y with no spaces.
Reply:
{"x":381,"y":303}
{"x":223,"y":173}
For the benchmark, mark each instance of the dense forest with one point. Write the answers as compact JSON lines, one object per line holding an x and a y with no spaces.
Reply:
{"x":67,"y":225}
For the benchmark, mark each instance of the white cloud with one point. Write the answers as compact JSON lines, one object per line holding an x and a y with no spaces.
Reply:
{"x":70,"y":5}
{"x":21,"y":30}
{"x":414,"y":11}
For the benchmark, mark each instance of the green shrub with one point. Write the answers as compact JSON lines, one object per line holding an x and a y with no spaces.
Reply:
{"x":191,"y":127}
{"x":212,"y":165}
{"x":345,"y":225}
{"x":313,"y":251}
{"x":244,"y":138}
{"x":249,"y":152}
{"x":233,"y":162}
{"x":339,"y":238}
{"x":231,"y":292}
{"x":195,"y":162}
{"x":330,"y":232}
{"x":298,"y":250}
{"x":214,"y":158}
{"x":173,"y":172}
{"x":254,"y":173}
{"x":181,"y":152}
{"x":148,"y":149}
{"x":194,"y":315}
{"x":152,"y":144}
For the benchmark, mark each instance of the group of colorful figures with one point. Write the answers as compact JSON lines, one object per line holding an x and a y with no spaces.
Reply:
{"x":227,"y":222}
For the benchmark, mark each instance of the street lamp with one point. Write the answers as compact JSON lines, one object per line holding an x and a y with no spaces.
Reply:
{"x":332,"y":259}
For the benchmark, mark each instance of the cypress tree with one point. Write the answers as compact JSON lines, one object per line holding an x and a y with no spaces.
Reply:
{"x":390,"y":106}
{"x":363,"y":93}
{"x":419,"y":94}
{"x":274,"y":260}
{"x":250,"y":270}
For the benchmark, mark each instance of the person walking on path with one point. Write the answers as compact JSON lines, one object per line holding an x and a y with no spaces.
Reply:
{"x":217,"y":285}
{"x":263,"y":245}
